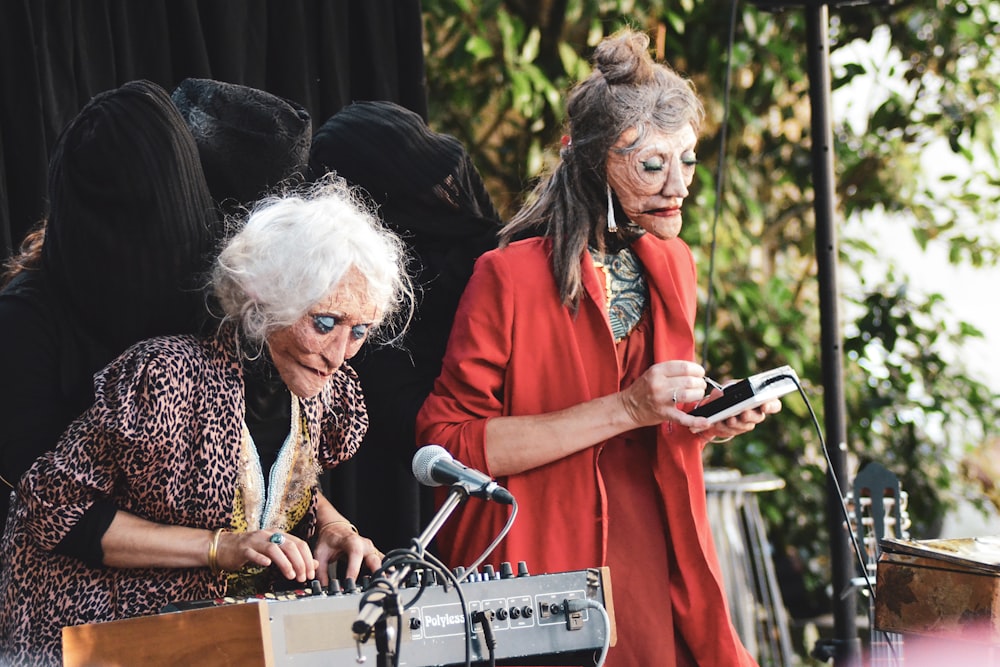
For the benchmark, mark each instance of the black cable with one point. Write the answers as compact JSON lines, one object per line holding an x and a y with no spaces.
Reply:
{"x":496,"y":541}
{"x":467,"y":616}
{"x":719,"y":178}
{"x":416,"y":559}
{"x":380,"y":584}
{"x":843,"y":504}
{"x":710,"y":292}
{"x":399,"y":639}
{"x":485,"y":619}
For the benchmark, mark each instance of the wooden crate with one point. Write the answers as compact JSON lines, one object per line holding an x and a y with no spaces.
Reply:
{"x":933,"y":597}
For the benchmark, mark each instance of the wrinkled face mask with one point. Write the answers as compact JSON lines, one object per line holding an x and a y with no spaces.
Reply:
{"x":310,"y":351}
{"x":651,"y":180}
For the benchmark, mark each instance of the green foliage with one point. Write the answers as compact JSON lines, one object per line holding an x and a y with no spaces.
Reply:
{"x":919,"y":143}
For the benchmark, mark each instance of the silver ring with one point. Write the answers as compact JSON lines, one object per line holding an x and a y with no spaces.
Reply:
{"x":277,"y":538}
{"x":675,"y":396}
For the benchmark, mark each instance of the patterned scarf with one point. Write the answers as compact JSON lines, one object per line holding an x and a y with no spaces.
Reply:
{"x":625,"y":288}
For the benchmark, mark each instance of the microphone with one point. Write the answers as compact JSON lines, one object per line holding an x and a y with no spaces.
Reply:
{"x":434,"y":466}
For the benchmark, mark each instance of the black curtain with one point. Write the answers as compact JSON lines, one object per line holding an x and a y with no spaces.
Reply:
{"x":56,"y":54}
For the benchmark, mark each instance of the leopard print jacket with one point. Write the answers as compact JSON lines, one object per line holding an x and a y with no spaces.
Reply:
{"x":162,"y":442}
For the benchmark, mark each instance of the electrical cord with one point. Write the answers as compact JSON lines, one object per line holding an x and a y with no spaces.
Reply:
{"x":466,"y":614}
{"x":858,"y":553}
{"x":417,"y":559}
{"x":586,"y":603}
{"x":710,"y":292}
{"x":484,"y":619}
{"x":471,"y":569}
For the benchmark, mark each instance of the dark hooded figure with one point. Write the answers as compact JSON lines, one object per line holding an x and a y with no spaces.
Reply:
{"x":127,"y":238}
{"x":428,"y":190}
{"x":251,"y":144}
{"x":249,"y":140}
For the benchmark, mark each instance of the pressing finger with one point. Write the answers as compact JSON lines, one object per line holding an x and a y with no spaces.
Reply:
{"x":292,"y":557}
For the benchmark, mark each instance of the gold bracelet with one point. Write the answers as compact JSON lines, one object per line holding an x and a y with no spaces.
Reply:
{"x":213,"y":551}
{"x":330,"y":523}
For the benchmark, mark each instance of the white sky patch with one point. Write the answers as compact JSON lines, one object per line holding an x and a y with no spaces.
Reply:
{"x":969,"y":292}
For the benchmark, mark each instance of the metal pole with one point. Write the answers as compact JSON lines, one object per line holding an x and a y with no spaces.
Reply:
{"x":847,"y":645}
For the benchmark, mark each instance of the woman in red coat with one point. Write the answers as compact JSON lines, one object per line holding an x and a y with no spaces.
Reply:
{"x":570,"y":369}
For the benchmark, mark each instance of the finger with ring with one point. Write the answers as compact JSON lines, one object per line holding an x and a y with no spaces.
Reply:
{"x":278,"y":539}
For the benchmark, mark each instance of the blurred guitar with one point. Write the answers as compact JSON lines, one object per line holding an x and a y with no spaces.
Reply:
{"x":878,"y":510}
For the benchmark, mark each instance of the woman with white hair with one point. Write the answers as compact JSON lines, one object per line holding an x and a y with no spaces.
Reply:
{"x":194,"y":475}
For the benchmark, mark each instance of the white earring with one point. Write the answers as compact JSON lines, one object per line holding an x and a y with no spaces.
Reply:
{"x":612,"y":224}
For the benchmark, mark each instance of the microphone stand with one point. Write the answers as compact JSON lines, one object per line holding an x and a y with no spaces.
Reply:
{"x":373,"y":612}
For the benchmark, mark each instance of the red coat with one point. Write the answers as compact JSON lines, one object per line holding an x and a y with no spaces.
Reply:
{"x":515,"y":350}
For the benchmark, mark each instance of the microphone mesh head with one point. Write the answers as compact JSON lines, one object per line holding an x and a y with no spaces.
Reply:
{"x":424,"y":460}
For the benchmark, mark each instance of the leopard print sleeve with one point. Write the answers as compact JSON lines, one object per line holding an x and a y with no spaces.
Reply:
{"x":130,"y":448}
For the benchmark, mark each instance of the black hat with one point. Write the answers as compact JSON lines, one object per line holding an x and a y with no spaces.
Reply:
{"x":424,"y":182}
{"x":249,"y":140}
{"x":129,"y":228}
{"x":428,"y":190}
